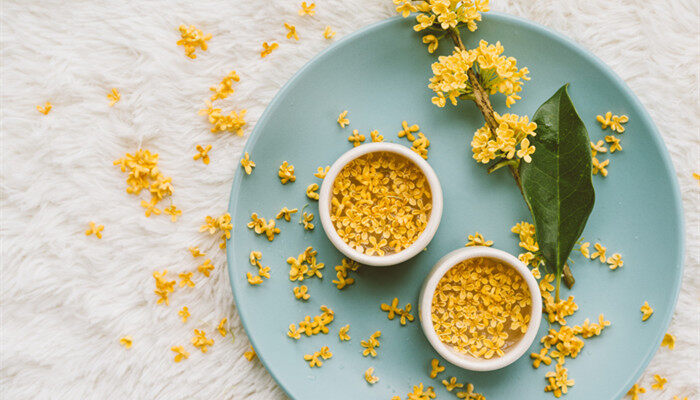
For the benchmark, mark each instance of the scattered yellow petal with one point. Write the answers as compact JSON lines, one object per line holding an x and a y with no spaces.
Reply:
{"x":191,"y":39}
{"x":301,"y":292}
{"x":356,"y":139}
{"x":369,"y":377}
{"x":659,"y":382}
{"x":435,"y":368}
{"x":96,"y":229}
{"x":195,"y":252}
{"x":203,"y":153}
{"x":328,"y":33}
{"x":477,"y":239}
{"x":268,"y":48}
{"x":343,"y":333}
{"x":45,"y":109}
{"x":206,"y":267}
{"x":186,"y":279}
{"x":180,"y":353}
{"x":126,"y":341}
{"x":250,"y":354}
{"x":184,"y":313}
{"x":342,"y":119}
{"x":452,"y":384}
{"x":669,"y":341}
{"x":173,"y":211}
{"x":646,"y":311}
{"x":114,"y":96}
{"x":286,"y":173}
{"x":292,"y":31}
{"x":201,"y":341}
{"x":311,"y":191}
{"x":221,"y":328}
{"x":634,"y":392}
{"x":321,"y":172}
{"x":307,"y":9}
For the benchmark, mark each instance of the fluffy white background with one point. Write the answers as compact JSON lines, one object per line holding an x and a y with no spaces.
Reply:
{"x":67,"y":298}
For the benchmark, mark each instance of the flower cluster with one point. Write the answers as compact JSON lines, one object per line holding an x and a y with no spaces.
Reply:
{"x":191,"y":39}
{"x":233,"y":122}
{"x":443,"y":14}
{"x":309,"y":327}
{"x":394,"y":310}
{"x":532,"y":257}
{"x":342,"y":272}
{"x":496,"y":73}
{"x":371,"y":344}
{"x":286,"y":173}
{"x":225,"y":88}
{"x":305,"y":266}
{"x":221,"y":224}
{"x":477,"y":239}
{"x":263,"y":272}
{"x":262,"y":226}
{"x":315,"y":359}
{"x":163,"y":287}
{"x":511,"y":131}
{"x":144,"y":174}
{"x":201,"y":341}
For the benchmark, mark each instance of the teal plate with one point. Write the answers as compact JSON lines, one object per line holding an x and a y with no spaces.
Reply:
{"x":380,"y":75}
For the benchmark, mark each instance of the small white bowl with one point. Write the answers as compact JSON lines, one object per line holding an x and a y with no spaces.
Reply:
{"x":324,"y":205}
{"x":426,"y":299}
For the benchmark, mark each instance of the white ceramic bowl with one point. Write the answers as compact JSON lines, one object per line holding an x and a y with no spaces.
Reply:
{"x":426,"y":299}
{"x":324,"y":205}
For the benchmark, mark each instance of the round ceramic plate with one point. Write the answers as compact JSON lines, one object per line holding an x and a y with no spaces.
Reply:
{"x":380,"y":75}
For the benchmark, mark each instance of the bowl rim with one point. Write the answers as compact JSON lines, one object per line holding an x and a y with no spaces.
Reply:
{"x":425,"y":307}
{"x":423,"y":239}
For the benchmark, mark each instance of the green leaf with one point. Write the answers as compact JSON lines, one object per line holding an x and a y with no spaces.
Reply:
{"x":557,"y":184}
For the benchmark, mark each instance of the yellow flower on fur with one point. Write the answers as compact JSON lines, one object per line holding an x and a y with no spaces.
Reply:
{"x":173,"y":211}
{"x":206,"y":268}
{"x":114,"y":96}
{"x":96,"y":229}
{"x":201,"y":341}
{"x":634,"y":391}
{"x":307,"y":9}
{"x":195,"y":252}
{"x":250,"y":354}
{"x":292,"y":31}
{"x":126,"y":341}
{"x":659,"y":382}
{"x":268,"y":48}
{"x":184,"y":313}
{"x":202,"y":152}
{"x":150,"y":207}
{"x":328,"y":33}
{"x":615,"y":261}
{"x":45,"y":109}
{"x":180,"y":353}
{"x":646,"y":311}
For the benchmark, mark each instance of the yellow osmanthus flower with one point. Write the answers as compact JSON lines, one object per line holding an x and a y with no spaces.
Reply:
{"x":163,"y":287}
{"x":150,"y":207}
{"x":343,"y":121}
{"x":322,"y":171}
{"x":356,"y":139}
{"x":512,"y":129}
{"x":614,"y":143}
{"x":126,"y":341}
{"x":696,"y":176}
{"x":306,"y":219}
{"x":394,"y":310}
{"x":420,"y":145}
{"x":613,"y":121}
{"x":444,"y":14}
{"x":342,"y":272}
{"x":376,"y":137}
{"x":646,"y":311}
{"x":254,"y":279}
{"x":615,"y":261}
{"x":559,"y":381}
{"x":247,"y":163}
{"x":634,"y":391}
{"x":185,"y":279}
{"x":452,"y":384}
{"x":307,"y":9}
{"x":470,"y":394}
{"x":45,"y":109}
{"x":311,"y":191}
{"x":291,"y":31}
{"x":371,"y":344}
{"x":225,"y":88}
{"x":659,"y":382}
{"x":143,"y":173}
{"x":499,"y":74}
{"x":205,"y":268}
{"x":184,"y":313}
{"x":180,"y":353}
{"x":304,"y":265}
{"x":113,"y":96}
{"x":301,"y":292}
{"x":221,"y":224}
{"x":477,"y":239}
{"x":221,"y":328}
{"x":598,"y":148}
{"x":587,"y":329}
{"x":669,"y":341}
{"x":191,"y":39}
{"x":263,"y":272}
{"x":314,"y":360}
{"x":328,"y":33}
{"x":173,"y":211}
{"x":343,"y":334}
{"x":432,"y":43}
{"x":96,"y":229}
{"x":313,"y":326}
{"x":558,"y":311}
{"x":262,"y":226}
{"x":286,"y":173}
{"x":369,"y":377}
{"x":286,"y":213}
{"x":268,"y":48}
{"x":435,"y":368}
{"x":585,"y":249}
{"x":195,"y":252}
{"x":600,"y":166}
{"x":678,"y":398}
{"x":233,"y":122}
{"x":201,"y":341}
{"x":408,"y":130}
{"x":250,"y":354}
{"x":541,"y":357}
{"x":599,"y":253}
{"x":420,"y":393}
{"x":203,"y":153}
{"x":526,"y":233}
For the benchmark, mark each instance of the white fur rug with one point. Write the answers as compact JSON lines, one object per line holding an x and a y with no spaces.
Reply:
{"x":67,"y":299}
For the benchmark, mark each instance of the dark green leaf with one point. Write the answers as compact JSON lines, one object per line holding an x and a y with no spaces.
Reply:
{"x":557,"y":183}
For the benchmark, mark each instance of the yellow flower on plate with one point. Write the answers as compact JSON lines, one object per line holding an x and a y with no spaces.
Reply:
{"x":96,"y":229}
{"x":432,"y":43}
{"x":268,"y":48}
{"x":599,"y":253}
{"x":203,"y":153}
{"x":659,"y":382}
{"x":247,"y":163}
{"x":525,"y":150}
{"x":646,"y":311}
{"x":369,"y":377}
{"x":184,"y":313}
{"x":615,"y":261}
{"x":598,"y":148}
{"x":286,"y":213}
{"x":541,"y":357}
{"x":634,"y":391}
{"x":405,"y":8}
{"x":343,"y":121}
{"x":408,"y":131}
{"x":343,"y":334}
{"x":669,"y":341}
{"x":321,"y":172}
{"x":292,"y":31}
{"x":512,"y":129}
{"x":477,"y":239}
{"x":584,"y":249}
{"x":114,"y":96}
{"x":376,"y":137}
{"x":600,"y":166}
{"x":328,"y":33}
{"x":301,"y":292}
{"x":307,"y":9}
{"x":45,"y":109}
{"x":126,"y":341}
{"x":614,"y":143}
{"x":180,"y":353}
{"x":452,"y":384}
{"x":311,"y":191}
{"x":254,"y":279}
{"x":356,"y":139}
{"x":435,"y":368}
{"x":286,"y":173}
